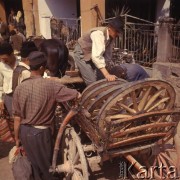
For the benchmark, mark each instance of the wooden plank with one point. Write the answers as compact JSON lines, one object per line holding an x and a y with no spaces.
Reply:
{"x":68,"y":80}
{"x":136,"y":139}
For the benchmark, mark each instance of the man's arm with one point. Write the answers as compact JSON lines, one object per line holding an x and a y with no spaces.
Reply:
{"x":108,"y":76}
{"x":98,"y":50}
{"x":17,"y":122}
{"x":16,"y":115}
{"x":1,"y":94}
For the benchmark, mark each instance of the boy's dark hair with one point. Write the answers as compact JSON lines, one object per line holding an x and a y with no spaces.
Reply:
{"x":36,"y":67}
{"x":13,"y":32}
{"x":27,"y":48}
{"x":119,"y":72}
{"x":36,"y":60}
{"x":5,"y":48}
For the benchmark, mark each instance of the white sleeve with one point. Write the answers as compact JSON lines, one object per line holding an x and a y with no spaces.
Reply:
{"x":24,"y":75}
{"x":98,"y":48}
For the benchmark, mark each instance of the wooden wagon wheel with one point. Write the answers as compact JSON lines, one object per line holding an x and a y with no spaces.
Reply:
{"x":137,"y":115}
{"x":99,"y":85}
{"x":162,"y":162}
{"x":73,"y":154}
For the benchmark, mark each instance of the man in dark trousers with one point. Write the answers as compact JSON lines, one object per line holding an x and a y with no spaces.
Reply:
{"x":34,"y":104}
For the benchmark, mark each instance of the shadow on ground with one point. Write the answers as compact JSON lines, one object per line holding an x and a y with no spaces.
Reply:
{"x":5,"y":147}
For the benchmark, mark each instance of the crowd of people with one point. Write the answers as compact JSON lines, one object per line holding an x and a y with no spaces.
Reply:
{"x":14,"y":30}
{"x":31,"y":99}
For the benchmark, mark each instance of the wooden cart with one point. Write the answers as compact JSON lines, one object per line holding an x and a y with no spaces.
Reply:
{"x":120,"y":119}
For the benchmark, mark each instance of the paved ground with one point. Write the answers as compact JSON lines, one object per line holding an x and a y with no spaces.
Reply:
{"x":110,"y":170}
{"x":5,"y":167}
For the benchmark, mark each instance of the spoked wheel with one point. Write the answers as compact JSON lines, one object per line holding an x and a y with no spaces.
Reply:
{"x":162,"y":163}
{"x":73,"y":155}
{"x":138,"y":115}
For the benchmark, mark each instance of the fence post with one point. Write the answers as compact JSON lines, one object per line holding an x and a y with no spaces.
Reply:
{"x":164,"y":48}
{"x":163,"y":68}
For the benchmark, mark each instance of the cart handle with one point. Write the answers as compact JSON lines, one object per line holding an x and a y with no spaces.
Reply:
{"x":66,"y":120}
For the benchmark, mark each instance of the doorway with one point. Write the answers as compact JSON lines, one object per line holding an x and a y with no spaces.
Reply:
{"x":15,"y":5}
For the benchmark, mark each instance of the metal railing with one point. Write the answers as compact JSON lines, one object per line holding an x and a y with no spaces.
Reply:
{"x":139,"y":38}
{"x":175,"y":34}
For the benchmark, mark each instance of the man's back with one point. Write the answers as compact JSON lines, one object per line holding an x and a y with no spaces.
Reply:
{"x":34,"y":100}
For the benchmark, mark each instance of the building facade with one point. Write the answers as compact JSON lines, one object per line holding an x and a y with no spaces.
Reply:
{"x":37,"y":13}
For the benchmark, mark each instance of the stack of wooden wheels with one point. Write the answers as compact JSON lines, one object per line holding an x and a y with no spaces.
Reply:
{"x":129,"y":116}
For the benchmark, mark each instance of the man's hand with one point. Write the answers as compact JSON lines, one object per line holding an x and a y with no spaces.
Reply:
{"x":79,"y":95}
{"x":110,"y":77}
{"x":1,"y":107}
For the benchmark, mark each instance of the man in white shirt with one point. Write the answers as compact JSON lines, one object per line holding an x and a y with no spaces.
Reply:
{"x":93,"y":51}
{"x":7,"y":65}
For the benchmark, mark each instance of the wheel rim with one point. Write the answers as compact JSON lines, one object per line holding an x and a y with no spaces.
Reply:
{"x":72,"y":152}
{"x":99,"y":86}
{"x":96,"y":94}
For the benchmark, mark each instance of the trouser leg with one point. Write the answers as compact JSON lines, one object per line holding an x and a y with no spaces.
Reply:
{"x":87,"y":72}
{"x":38,"y":147}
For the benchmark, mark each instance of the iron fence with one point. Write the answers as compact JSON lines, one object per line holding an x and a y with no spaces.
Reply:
{"x":139,"y":38}
{"x":175,"y":34}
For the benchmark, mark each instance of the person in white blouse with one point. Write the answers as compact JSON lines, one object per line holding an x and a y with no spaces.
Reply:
{"x":8,"y":63}
{"x":93,"y":51}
